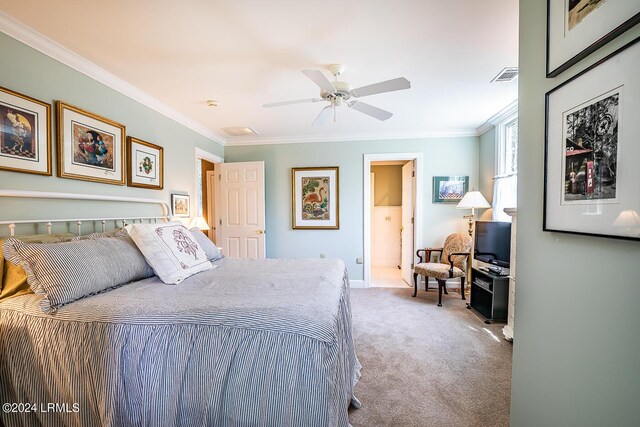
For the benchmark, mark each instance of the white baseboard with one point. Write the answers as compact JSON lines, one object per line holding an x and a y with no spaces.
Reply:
{"x":356,"y":283}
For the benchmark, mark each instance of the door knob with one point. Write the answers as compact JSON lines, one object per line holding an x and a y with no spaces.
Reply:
{"x":260,"y":231}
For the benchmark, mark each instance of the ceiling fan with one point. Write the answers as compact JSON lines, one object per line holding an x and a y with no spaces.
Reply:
{"x":339,"y":93}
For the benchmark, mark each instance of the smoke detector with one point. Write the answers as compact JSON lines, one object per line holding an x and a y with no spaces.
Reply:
{"x":211,"y":103}
{"x":508,"y":74}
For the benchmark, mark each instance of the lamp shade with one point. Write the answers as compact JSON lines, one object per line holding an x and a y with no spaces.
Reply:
{"x":629,"y":218}
{"x":473,"y":200}
{"x":199,"y":222}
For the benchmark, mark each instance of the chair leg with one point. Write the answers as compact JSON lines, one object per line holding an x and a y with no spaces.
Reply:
{"x":462,"y":288}
{"x":415,"y":284}
{"x":444,"y":287}
{"x":441,"y":284}
{"x":426,"y":284}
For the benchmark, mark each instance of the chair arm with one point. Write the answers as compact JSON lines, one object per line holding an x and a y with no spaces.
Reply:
{"x":427,"y":253}
{"x":451,"y":261}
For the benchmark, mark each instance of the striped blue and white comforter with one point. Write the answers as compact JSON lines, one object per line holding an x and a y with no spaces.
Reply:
{"x":253,"y":342}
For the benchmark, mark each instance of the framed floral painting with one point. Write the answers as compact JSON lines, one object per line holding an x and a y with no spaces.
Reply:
{"x":145,"y":164}
{"x":315,"y":198}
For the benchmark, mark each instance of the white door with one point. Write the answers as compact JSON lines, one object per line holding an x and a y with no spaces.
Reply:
{"x":407,"y":222}
{"x":241,"y":231}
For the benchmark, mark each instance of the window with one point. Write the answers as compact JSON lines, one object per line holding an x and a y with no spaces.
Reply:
{"x":505,"y":183}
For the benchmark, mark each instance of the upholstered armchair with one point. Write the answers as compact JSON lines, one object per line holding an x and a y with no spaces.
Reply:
{"x":452,"y":263}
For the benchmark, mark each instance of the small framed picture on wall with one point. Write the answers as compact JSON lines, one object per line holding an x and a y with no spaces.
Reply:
{"x":180,"y":206}
{"x":449,"y":189}
{"x":145,"y":164}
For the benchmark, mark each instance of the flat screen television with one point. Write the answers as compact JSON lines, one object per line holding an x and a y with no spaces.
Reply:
{"x":493,"y":243}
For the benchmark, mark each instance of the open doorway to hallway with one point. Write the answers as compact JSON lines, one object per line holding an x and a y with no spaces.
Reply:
{"x":392,"y":222}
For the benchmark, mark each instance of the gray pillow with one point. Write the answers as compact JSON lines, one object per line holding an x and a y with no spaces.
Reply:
{"x":210,"y":248}
{"x":67,"y":271}
{"x":117,"y":232}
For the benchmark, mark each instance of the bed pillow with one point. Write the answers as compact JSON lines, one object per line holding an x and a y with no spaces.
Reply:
{"x":67,"y":271}
{"x":210,"y":248}
{"x":111,"y":233}
{"x":170,"y":249}
{"x":13,"y":279}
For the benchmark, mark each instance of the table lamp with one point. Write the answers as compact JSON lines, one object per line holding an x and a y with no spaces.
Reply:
{"x":629,"y":220}
{"x":473,"y":200}
{"x":200,"y":223}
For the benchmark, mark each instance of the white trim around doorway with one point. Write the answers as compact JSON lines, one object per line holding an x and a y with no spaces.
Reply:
{"x":418,"y":214}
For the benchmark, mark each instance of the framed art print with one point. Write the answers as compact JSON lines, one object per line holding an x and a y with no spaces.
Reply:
{"x":145,"y":164}
{"x":577,"y":28}
{"x":592,"y":150}
{"x":180,"y":206}
{"x":449,"y":189}
{"x":25,"y":133}
{"x":315,"y":198}
{"x":90,"y":147}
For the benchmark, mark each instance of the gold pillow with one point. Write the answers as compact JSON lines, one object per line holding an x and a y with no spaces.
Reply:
{"x":13,"y":279}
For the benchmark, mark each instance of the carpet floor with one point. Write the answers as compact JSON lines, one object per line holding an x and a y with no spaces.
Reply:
{"x":424,"y":365}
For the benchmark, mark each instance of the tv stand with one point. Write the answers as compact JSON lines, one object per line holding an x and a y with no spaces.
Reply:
{"x":489,"y":295}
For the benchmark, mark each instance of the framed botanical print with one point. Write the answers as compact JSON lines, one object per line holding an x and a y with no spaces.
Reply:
{"x":315,"y":198}
{"x":449,"y":189}
{"x":592,"y":151}
{"x":90,"y":147}
{"x":180,"y":206}
{"x":25,"y":133}
{"x":145,"y":164}
{"x":577,"y":28}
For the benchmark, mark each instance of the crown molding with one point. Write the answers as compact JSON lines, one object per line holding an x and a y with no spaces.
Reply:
{"x":507,"y":111}
{"x":309,"y":139}
{"x":30,"y":37}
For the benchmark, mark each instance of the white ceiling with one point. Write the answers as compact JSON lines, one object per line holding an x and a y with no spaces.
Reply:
{"x":245,"y":53}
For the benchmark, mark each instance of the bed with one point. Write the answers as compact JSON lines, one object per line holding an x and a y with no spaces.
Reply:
{"x":251,"y":342}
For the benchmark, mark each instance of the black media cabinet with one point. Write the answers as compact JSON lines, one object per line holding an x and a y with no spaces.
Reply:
{"x":489,"y":295}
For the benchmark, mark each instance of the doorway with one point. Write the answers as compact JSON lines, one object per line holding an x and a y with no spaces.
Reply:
{"x":392,"y":214}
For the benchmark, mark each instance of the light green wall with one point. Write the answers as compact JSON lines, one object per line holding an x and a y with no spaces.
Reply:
{"x":388,"y":185}
{"x":32,"y":73}
{"x":577,"y":344}
{"x":487,"y":167}
{"x":442,"y":156}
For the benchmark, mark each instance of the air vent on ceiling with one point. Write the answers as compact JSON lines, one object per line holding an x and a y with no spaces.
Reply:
{"x":239,"y":131}
{"x":509,"y":74}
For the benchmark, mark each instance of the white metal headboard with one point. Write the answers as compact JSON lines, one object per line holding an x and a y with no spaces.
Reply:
{"x":73,"y":196}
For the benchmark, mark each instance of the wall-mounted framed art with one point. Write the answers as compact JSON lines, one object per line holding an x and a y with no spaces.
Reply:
{"x":90,"y":147}
{"x":577,"y":28}
{"x":591,"y":168}
{"x":145,"y":164}
{"x":25,"y":133}
{"x":449,"y":189}
{"x":315,"y":198}
{"x":180,"y":205}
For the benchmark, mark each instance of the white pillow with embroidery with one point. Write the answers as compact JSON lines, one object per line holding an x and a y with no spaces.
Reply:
{"x":170,"y":249}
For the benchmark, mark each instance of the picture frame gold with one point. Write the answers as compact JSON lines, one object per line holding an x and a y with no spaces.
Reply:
{"x":25,"y":133}
{"x":145,"y":164}
{"x":90,"y":147}
{"x":315,"y":198}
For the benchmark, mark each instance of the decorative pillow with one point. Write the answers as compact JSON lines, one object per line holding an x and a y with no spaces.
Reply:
{"x":170,"y":249}
{"x":210,"y":248}
{"x":13,"y":279}
{"x":67,"y":271}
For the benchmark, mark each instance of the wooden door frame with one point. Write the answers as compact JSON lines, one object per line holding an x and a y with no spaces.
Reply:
{"x":418,"y":212}
{"x":200,"y":154}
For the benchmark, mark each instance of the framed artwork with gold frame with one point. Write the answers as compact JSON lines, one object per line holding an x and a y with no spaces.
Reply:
{"x":90,"y":147}
{"x":315,"y":198}
{"x":145,"y":164}
{"x":25,"y":133}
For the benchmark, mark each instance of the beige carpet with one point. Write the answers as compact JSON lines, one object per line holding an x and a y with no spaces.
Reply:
{"x":424,"y":365}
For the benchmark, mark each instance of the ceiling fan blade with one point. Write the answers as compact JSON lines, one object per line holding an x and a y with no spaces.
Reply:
{"x":320,"y":79}
{"x":370,"y":110}
{"x":387,"y":86}
{"x":297,"y":101}
{"x":322,"y":118}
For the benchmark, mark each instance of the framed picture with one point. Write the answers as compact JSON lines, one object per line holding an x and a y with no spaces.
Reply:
{"x":25,"y":133}
{"x":449,"y":189}
{"x":577,"y":28}
{"x":592,"y":152}
{"x":315,"y":198}
{"x":145,"y":164}
{"x":90,"y":147}
{"x":180,"y":206}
